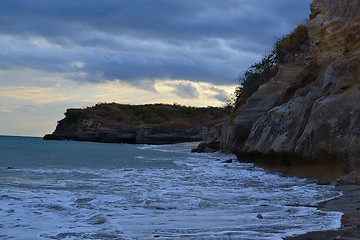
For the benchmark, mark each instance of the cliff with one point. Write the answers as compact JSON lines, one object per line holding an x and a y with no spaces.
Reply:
{"x":145,"y":124}
{"x":306,"y":119}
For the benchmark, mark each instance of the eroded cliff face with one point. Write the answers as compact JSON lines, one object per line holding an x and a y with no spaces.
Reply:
{"x":308,"y":116}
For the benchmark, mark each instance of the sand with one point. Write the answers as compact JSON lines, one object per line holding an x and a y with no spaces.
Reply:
{"x":349,"y":204}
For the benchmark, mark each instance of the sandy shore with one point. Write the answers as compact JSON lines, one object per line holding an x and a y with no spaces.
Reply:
{"x":349,"y":204}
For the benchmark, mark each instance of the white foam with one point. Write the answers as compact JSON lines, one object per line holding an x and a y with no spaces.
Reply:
{"x":206,"y":199}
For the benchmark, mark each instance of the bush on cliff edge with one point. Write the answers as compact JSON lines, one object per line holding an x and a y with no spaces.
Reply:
{"x":268,"y":66}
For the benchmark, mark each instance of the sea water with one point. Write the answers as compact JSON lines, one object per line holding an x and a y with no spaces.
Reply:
{"x":81,"y":190}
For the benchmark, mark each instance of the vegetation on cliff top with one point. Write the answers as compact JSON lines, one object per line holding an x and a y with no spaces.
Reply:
{"x":133,"y":116}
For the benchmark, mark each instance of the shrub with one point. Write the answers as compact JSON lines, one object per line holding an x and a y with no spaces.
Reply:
{"x":291,"y":43}
{"x":256,"y":75}
{"x":74,"y":115}
{"x":267,"y":67}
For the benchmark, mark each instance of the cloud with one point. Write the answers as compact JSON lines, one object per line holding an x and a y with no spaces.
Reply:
{"x":134,"y":40}
{"x":219,"y":94}
{"x":186,"y":90}
{"x":35,"y":94}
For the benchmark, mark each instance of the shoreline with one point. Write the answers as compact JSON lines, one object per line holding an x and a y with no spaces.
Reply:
{"x":349,"y":205}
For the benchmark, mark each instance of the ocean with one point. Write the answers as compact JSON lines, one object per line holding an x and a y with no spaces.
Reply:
{"x":81,"y":190}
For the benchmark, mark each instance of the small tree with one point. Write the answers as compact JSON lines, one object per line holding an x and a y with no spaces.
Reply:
{"x":231,"y":102}
{"x":255,"y":75}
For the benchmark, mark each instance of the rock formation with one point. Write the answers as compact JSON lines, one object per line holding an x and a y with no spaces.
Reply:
{"x":307,"y":117}
{"x":143,"y":124}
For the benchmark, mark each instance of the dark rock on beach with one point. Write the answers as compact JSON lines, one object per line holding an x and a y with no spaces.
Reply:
{"x":227,"y":161}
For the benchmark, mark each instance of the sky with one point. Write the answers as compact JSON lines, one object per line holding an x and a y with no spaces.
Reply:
{"x":64,"y":54}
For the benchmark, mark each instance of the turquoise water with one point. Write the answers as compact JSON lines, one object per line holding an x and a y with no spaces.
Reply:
{"x":80,"y":190}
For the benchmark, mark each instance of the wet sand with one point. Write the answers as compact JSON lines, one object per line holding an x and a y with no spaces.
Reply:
{"x":349,"y":204}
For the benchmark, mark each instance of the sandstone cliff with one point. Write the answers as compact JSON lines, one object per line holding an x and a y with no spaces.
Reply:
{"x":307,"y":117}
{"x":145,"y":124}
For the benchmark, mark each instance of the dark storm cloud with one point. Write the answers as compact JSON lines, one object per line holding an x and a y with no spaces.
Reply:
{"x":132,"y":40}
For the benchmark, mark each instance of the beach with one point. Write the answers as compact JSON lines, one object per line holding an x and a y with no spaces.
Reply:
{"x":349,"y":204}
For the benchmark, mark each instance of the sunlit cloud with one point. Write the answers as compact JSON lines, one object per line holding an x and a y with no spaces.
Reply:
{"x":35,"y":94}
{"x":166,"y":91}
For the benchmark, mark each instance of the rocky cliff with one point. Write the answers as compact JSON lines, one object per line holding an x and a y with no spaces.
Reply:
{"x":307,"y":117}
{"x":145,"y":124}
